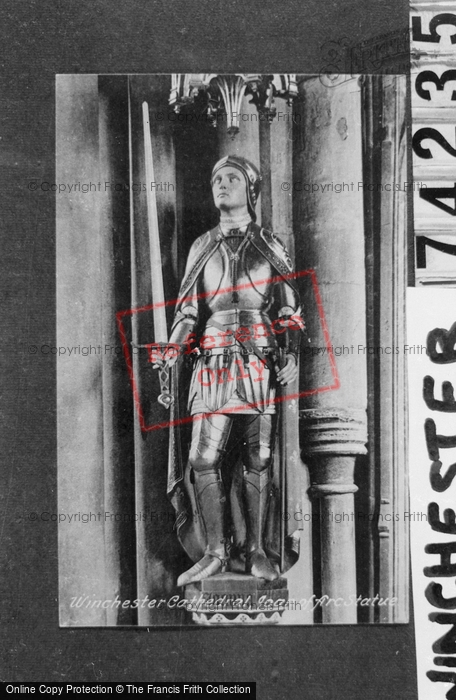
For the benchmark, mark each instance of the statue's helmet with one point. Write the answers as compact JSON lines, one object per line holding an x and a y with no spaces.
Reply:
{"x":251,"y":175}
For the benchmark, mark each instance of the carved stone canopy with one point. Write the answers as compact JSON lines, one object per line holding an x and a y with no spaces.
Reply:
{"x":224,"y":93}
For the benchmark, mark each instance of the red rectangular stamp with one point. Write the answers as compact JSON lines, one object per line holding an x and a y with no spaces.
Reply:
{"x":229,"y":337}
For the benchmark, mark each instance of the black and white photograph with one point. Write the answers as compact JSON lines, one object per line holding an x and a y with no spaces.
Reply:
{"x":230,"y":349}
{"x":227,"y":237}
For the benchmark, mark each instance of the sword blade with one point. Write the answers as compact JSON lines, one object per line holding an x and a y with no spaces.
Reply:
{"x":156,"y":271}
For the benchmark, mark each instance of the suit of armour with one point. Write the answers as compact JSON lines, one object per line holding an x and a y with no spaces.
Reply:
{"x":236,"y":290}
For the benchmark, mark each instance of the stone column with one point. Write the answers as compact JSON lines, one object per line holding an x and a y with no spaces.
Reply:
{"x":332,"y":438}
{"x":95,"y":441}
{"x":330,"y":240}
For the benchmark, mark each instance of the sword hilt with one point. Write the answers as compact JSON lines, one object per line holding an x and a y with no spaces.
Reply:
{"x":164,"y":397}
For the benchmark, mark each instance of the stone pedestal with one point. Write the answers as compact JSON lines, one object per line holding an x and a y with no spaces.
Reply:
{"x":236,"y":599}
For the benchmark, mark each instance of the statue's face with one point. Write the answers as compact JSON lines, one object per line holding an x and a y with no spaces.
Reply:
{"x":229,"y":189}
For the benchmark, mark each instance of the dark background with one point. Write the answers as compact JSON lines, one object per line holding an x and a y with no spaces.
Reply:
{"x":38,"y":40}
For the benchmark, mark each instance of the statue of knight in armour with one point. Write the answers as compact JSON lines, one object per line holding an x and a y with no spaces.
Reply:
{"x":238,"y":321}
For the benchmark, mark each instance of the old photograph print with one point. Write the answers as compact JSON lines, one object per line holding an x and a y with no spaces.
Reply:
{"x":231,"y":274}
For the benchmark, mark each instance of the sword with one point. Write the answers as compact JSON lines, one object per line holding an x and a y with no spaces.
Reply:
{"x":156,"y":271}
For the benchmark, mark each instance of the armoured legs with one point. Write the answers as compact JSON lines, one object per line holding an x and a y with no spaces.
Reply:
{"x":257,"y":454}
{"x":209,"y":439}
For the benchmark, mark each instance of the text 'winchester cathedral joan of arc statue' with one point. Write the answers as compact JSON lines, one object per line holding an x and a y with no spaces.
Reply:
{"x":238,"y":323}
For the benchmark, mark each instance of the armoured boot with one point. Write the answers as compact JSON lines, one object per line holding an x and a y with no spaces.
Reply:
{"x":210,"y":494}
{"x":256,"y":498}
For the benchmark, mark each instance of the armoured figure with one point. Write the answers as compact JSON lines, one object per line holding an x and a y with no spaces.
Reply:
{"x":238,"y":317}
